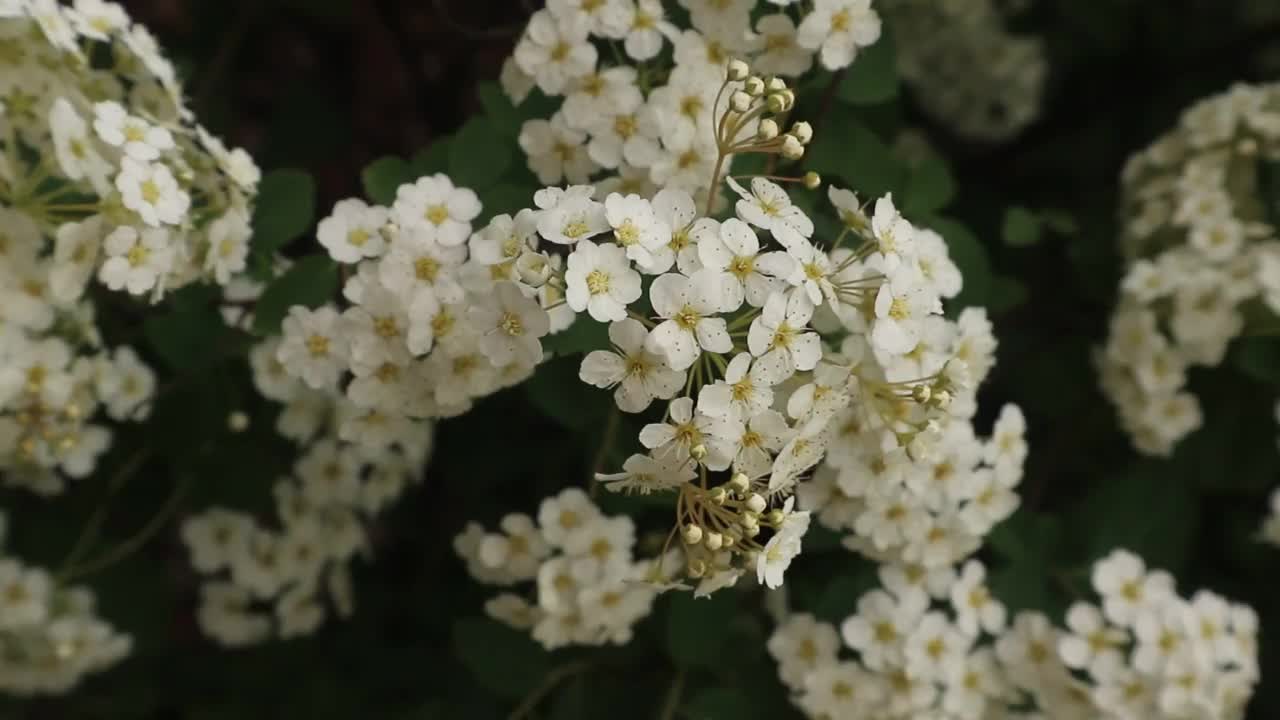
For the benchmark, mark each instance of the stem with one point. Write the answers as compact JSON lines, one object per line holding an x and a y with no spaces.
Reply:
{"x":91,"y":528}
{"x":606,"y":445}
{"x":133,"y":544}
{"x":672,"y":702}
{"x":553,"y":678}
{"x":715,"y":182}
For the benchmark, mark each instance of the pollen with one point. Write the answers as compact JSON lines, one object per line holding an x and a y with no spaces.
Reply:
{"x":436,"y":214}
{"x":511,"y":324}
{"x":597,"y":282}
{"x":318,"y":346}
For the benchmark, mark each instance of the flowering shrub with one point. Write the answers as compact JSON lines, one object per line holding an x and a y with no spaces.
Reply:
{"x":728,"y":359}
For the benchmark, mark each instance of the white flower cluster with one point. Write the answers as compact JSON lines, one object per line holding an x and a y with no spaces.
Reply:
{"x":936,"y":644}
{"x":1201,"y":249}
{"x":588,"y":587}
{"x":968,"y":71}
{"x":924,"y":650}
{"x":104,"y":162}
{"x":1270,"y":531}
{"x":646,"y":120}
{"x":50,"y":637}
{"x":268,"y":581}
{"x":1142,"y":652}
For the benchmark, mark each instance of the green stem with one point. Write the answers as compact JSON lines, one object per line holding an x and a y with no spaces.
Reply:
{"x":672,"y":703}
{"x":553,"y":678}
{"x":94,"y":525}
{"x":133,"y":544}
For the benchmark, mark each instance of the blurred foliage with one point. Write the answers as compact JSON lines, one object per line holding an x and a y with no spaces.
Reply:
{"x":363,"y":96}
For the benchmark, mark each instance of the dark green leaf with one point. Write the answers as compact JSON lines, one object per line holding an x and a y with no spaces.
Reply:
{"x":191,"y":335}
{"x":929,"y":188}
{"x":721,"y":704}
{"x":584,"y":335}
{"x":498,"y":108}
{"x":383,"y":176}
{"x":311,"y":282}
{"x":284,"y":210}
{"x":856,"y":155}
{"x":873,"y":77}
{"x":556,"y":390}
{"x":432,"y":159}
{"x":479,"y":154}
{"x":1021,"y":227}
{"x":698,"y":627}
{"x":503,"y":660}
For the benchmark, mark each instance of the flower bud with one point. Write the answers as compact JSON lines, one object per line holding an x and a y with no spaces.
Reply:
{"x":775,"y":84}
{"x":729,"y":541}
{"x":698,"y":452}
{"x":942,"y":399}
{"x":738,"y":70}
{"x":753,"y":86}
{"x":767,"y":130}
{"x":749,"y":524}
{"x":803,"y":132}
{"x":739,"y":483}
{"x":739,"y":102}
{"x":697,"y":568}
{"x":714,"y":541}
{"x":791,"y":147}
{"x":921,"y":393}
{"x":717,"y":495}
{"x":533,"y":268}
{"x":775,"y":517}
{"x":756,"y":503}
{"x":751,"y":530}
{"x":812,"y":180}
{"x":692,"y":534}
{"x":238,"y":422}
{"x":776,"y":103}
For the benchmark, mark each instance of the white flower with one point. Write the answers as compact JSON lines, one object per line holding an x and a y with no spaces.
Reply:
{"x":511,"y":325}
{"x":138,"y":139}
{"x":768,"y":207}
{"x":1126,"y":587}
{"x":746,"y":274}
{"x":781,"y":55}
{"x":744,"y":391}
{"x":75,"y":257}
{"x":895,"y":237}
{"x":353,"y":231}
{"x":642,"y":29}
{"x":975,"y":608}
{"x":518,"y":550}
{"x":839,"y":28}
{"x":228,"y":244}
{"x":313,"y":347}
{"x":636,"y":227}
{"x":778,"y":338}
{"x":421,"y":271}
{"x":562,"y":516}
{"x":74,"y":148}
{"x":644,"y":474}
{"x":1091,"y":644}
{"x":800,"y":645}
{"x":901,"y":304}
{"x":443,"y":212}
{"x":151,"y":191}
{"x":783,"y":547}
{"x":556,"y":151}
{"x":556,"y":50}
{"x":688,"y":430}
{"x":98,"y":19}
{"x":135,"y":261}
{"x":601,"y":93}
{"x":881,"y":625}
{"x":599,"y":279}
{"x":572,"y":217}
{"x":689,"y":305}
{"x":639,"y":374}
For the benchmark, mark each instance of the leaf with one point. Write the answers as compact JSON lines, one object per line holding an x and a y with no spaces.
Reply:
{"x":1258,"y":358}
{"x":284,"y":209}
{"x":697,"y":628}
{"x":929,"y":188}
{"x":721,"y":704}
{"x":311,"y":282}
{"x":857,"y":155}
{"x":504,"y":199}
{"x":190,"y":336}
{"x":1151,"y":511}
{"x":583,"y":336}
{"x":1021,"y":227}
{"x":383,"y":176}
{"x":1006,"y":294}
{"x":503,"y":660}
{"x":479,"y":155}
{"x":556,"y":390}
{"x":873,"y":76}
{"x":839,"y":599}
{"x":433,"y":158}
{"x":498,"y":108}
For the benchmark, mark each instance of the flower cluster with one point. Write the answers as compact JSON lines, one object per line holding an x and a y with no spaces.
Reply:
{"x":50,"y":637}
{"x":105,"y":172}
{"x":936,"y":644}
{"x":925,"y":648}
{"x":967,"y":69}
{"x":1203,"y":257}
{"x":266,"y":581}
{"x":1141,"y":652}
{"x":927,"y":508}
{"x":1270,"y":531}
{"x":588,"y":587}
{"x":646,"y":121}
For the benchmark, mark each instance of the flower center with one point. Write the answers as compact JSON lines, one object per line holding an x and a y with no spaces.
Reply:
{"x":511,"y":324}
{"x":318,"y":345}
{"x":437,"y":214}
{"x":597,"y":282}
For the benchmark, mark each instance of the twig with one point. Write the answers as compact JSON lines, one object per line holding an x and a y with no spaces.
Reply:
{"x":606,"y":445}
{"x":672,"y":703}
{"x":549,"y":683}
{"x":92,"y":527}
{"x":228,"y":48}
{"x":133,"y":544}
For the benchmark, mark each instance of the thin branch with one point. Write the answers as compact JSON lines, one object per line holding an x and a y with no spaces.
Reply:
{"x":606,"y":446}
{"x":549,"y":683}
{"x":94,"y":525}
{"x":135,"y":543}
{"x":672,"y":703}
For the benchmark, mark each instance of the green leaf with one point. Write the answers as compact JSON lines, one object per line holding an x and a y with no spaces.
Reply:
{"x":504,"y":199}
{"x":557,"y":391}
{"x":479,"y":154}
{"x":1258,"y":358}
{"x":584,"y":335}
{"x":433,"y":158}
{"x":311,"y":282}
{"x":383,"y":176}
{"x":839,"y":599}
{"x":697,"y":628}
{"x":970,"y":256}
{"x":504,"y":661}
{"x":1151,"y":511}
{"x":929,"y":188}
{"x":498,"y":108}
{"x":856,"y":155}
{"x":190,"y":336}
{"x":721,"y":704}
{"x":1006,"y":294}
{"x":284,"y":209}
{"x":873,"y":76}
{"x":1021,"y":227}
